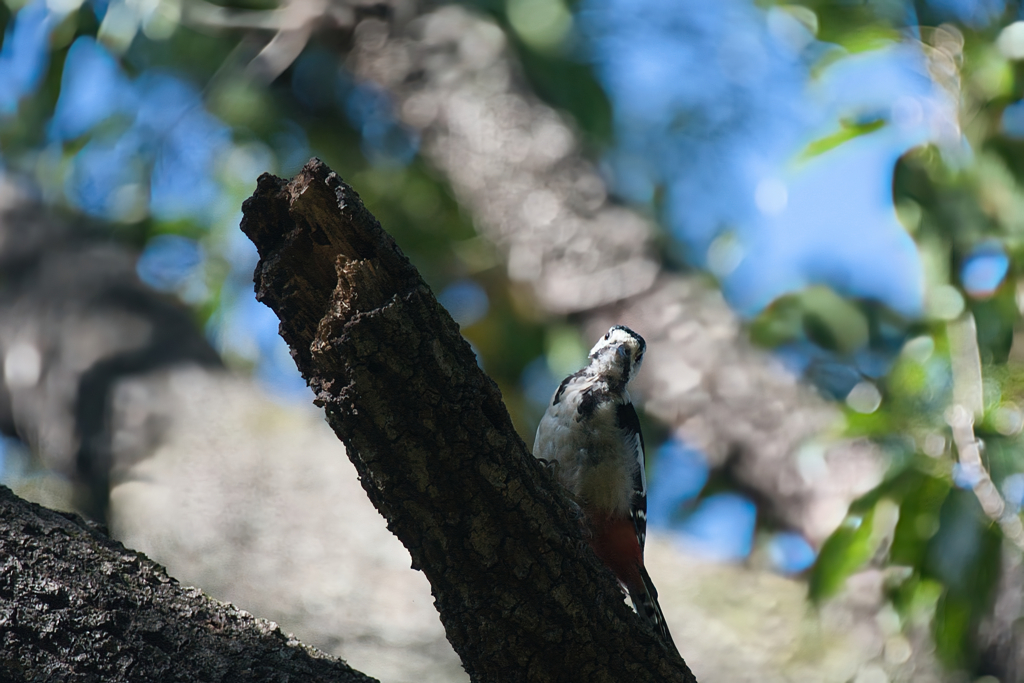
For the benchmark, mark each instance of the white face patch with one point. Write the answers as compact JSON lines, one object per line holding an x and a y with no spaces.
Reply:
{"x":618,"y":336}
{"x":618,"y":354}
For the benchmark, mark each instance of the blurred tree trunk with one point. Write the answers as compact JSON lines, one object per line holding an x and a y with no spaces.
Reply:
{"x":520,"y":167}
{"x":74,"y":321}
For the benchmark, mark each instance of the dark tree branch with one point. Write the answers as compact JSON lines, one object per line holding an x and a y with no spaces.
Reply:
{"x":76,"y":606}
{"x":520,"y":594}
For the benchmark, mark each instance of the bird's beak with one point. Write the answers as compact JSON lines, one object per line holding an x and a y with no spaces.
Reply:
{"x":622,"y":353}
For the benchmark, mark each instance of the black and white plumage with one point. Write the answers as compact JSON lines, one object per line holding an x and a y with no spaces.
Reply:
{"x":591,"y":433}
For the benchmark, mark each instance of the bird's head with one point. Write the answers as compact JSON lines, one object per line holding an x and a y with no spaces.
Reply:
{"x":618,"y":354}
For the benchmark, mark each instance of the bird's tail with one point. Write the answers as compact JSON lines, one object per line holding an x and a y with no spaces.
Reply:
{"x":645,"y":600}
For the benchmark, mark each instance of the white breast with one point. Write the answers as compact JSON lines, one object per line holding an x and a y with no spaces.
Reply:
{"x":593,"y":460}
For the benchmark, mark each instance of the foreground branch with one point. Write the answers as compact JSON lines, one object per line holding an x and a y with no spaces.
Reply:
{"x":519,"y":592}
{"x":77,"y":606}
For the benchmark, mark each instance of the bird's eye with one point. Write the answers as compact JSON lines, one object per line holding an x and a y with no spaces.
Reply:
{"x":606,"y":335}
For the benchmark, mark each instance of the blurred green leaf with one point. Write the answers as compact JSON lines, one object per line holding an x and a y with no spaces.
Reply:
{"x":778,"y":324}
{"x":965,"y":556}
{"x":915,"y":491}
{"x":833,"y":322}
{"x":845,"y":551}
{"x":953,"y":617}
{"x":923,"y":496}
{"x":896,"y":485}
{"x":916,"y":599}
{"x":817,"y":314}
{"x":995,"y":318}
{"x":873,"y":425}
{"x":849,"y":131}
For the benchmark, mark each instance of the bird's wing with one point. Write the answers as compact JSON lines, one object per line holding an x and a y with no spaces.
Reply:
{"x":627,"y":421}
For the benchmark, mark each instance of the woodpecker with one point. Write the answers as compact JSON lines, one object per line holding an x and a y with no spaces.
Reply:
{"x":591,"y":436}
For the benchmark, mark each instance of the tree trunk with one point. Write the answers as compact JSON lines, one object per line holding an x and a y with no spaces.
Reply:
{"x":77,"y":606}
{"x":520,"y":594}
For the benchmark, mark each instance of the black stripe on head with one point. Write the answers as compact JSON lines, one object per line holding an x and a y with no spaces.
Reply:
{"x":634,"y":335}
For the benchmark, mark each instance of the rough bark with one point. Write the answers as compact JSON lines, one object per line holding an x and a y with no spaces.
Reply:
{"x":76,"y":606}
{"x":519,"y":592}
